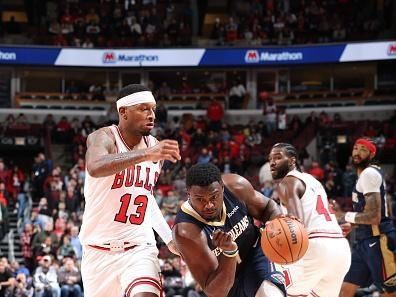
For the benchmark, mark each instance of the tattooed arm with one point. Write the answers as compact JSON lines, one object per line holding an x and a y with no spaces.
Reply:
{"x":103,"y":160}
{"x":372,"y":211}
{"x":369,"y":183}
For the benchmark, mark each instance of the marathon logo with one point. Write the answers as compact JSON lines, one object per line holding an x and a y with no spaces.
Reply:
{"x":109,"y":57}
{"x":112,"y":57}
{"x":7,"y":56}
{"x":392,"y":49}
{"x":253,"y":56}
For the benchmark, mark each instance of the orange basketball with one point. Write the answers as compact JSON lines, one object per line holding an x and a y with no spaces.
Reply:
{"x":284,"y":240}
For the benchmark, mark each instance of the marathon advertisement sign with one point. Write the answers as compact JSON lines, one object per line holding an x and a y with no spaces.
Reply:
{"x":369,"y":51}
{"x":273,"y":56}
{"x":199,"y":57}
{"x":130,"y":58}
{"x":28,"y":56}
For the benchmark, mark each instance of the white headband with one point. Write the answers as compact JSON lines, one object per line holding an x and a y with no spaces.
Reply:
{"x":135,"y":98}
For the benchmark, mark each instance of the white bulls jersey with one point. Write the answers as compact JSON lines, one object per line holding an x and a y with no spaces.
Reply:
{"x":118,"y":207}
{"x":318,"y":218}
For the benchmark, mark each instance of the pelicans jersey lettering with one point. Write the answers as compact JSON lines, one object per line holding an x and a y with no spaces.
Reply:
{"x":116,"y":205}
{"x":254,"y":267}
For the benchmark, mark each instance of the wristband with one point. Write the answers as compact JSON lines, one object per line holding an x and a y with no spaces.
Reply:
{"x":231,"y":254}
{"x":350,"y":217}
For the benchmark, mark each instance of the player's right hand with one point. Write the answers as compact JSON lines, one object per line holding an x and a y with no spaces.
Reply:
{"x":223,"y":241}
{"x":164,"y":150}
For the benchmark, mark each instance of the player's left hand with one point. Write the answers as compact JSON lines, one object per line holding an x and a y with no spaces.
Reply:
{"x":346,"y":228}
{"x":336,"y":209}
{"x":172,"y":247}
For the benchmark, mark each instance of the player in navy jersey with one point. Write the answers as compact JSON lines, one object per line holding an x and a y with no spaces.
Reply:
{"x":216,"y":236}
{"x":373,"y":254}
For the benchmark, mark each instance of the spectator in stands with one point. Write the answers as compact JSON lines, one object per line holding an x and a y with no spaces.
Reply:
{"x":69,"y":279}
{"x":172,"y":279}
{"x":236,"y":95}
{"x":63,"y":131}
{"x":45,"y":279}
{"x":4,"y":173}
{"x":161,"y":115}
{"x":6,"y":278}
{"x":45,"y":241}
{"x":41,"y":169}
{"x":215,"y":114}
{"x":348,"y":181}
{"x":5,"y":198}
{"x":270,"y":116}
{"x":316,"y":171}
{"x":15,"y":183}
{"x":205,"y":156}
{"x":76,"y":242}
{"x":12,"y":27}
{"x":26,"y":246}
{"x":21,"y":287}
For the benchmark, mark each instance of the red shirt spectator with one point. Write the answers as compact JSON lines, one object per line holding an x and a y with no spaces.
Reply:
{"x":215,"y":111}
{"x":316,"y":171}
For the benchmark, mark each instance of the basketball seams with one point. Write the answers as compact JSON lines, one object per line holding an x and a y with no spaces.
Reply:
{"x":302,"y":241}
{"x":287,"y":239}
{"x":272,"y":247}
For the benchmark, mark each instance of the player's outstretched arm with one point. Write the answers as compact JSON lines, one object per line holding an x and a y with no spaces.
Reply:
{"x":260,"y":207}
{"x":103,"y":160}
{"x":216,"y":277}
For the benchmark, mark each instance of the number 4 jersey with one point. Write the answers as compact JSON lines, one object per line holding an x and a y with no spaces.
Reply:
{"x":319,"y":220}
{"x":119,"y":207}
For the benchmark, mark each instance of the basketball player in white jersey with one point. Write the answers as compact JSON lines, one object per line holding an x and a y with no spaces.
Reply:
{"x":123,"y":164}
{"x":322,"y":269}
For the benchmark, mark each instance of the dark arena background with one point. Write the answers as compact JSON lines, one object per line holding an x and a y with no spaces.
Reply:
{"x":231,"y":79}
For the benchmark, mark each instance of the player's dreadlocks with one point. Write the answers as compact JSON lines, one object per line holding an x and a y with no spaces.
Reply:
{"x":203,"y":175}
{"x":290,"y":151}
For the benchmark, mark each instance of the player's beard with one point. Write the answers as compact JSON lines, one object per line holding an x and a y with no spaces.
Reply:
{"x":281,"y":172}
{"x":362,"y":163}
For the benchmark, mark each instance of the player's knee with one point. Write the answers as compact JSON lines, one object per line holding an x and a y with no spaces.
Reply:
{"x":268,"y":289}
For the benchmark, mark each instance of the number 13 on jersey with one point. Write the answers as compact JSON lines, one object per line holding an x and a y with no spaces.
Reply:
{"x":134,"y":218}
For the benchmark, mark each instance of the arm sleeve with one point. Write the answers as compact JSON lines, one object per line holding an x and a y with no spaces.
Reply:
{"x":370,"y":181}
{"x":159,"y":224}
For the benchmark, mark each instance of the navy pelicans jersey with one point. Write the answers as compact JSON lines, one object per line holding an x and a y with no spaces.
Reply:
{"x":235,"y":220}
{"x":371,"y":180}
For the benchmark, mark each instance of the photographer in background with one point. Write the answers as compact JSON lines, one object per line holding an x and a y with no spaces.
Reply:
{"x":21,"y":287}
